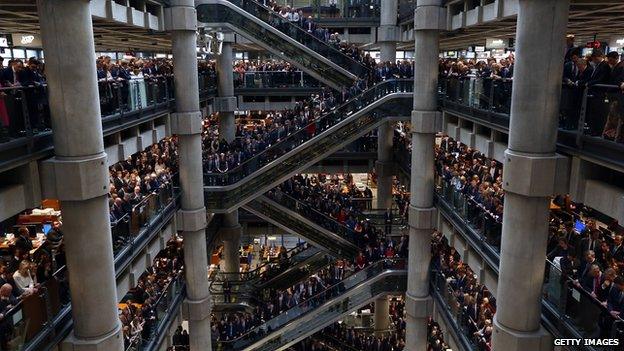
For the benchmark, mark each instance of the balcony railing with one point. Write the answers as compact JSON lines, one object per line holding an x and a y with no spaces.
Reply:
{"x":165,"y":309}
{"x":43,"y":318}
{"x":274,"y":79}
{"x":25,"y":115}
{"x":360,"y":9}
{"x":590,"y":118}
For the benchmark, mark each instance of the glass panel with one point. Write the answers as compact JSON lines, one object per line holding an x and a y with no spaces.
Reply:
{"x":213,"y":13}
{"x":323,"y":143}
{"x":327,"y":240}
{"x":270,"y":79}
{"x":357,"y":295}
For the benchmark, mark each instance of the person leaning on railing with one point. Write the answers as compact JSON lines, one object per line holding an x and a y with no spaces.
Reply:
{"x":139,"y":316}
{"x":475,"y":304}
{"x":144,"y":173}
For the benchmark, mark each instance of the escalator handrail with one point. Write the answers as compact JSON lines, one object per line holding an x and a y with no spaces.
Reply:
{"x":251,"y":292}
{"x":359,"y":215}
{"x":335,"y":110}
{"x":247,"y":277}
{"x":378,"y":264}
{"x":310,"y":37}
{"x":351,"y":232}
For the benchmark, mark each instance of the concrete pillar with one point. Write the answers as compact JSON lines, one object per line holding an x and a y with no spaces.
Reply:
{"x":429,"y":18}
{"x":226,"y":105}
{"x":81,"y":174}
{"x":181,"y":20}
{"x":383,"y":166}
{"x":530,"y":165}
{"x":231,"y":233}
{"x":387,"y":38}
{"x":382,"y":315}
{"x":387,"y":33}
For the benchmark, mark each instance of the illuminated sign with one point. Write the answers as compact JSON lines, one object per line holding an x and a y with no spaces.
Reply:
{"x":496,"y":43}
{"x":27,"y":39}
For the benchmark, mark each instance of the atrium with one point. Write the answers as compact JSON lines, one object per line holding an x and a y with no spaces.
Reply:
{"x":311,"y":175}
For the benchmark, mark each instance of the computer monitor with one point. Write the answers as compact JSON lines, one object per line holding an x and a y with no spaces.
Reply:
{"x":46,"y":228}
{"x":579,"y":226}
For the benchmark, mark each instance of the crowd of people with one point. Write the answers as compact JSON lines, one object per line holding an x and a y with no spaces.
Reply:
{"x":324,"y":283}
{"x":140,"y":175}
{"x":330,"y":202}
{"x":601,"y":72}
{"x":471,"y":302}
{"x":464,"y":170}
{"x":588,"y":255}
{"x":270,"y":74}
{"x":391,"y":340}
{"x":27,"y":273}
{"x":139,"y":316}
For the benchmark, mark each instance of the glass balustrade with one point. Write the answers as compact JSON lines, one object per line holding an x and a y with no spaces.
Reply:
{"x":308,"y":144}
{"x":348,"y":294}
{"x":283,"y":275}
{"x":340,"y":9}
{"x":565,"y":303}
{"x":24,"y":110}
{"x":341,"y":244}
{"x":461,"y":322}
{"x":274,"y":79}
{"x":589,"y":117}
{"x":319,"y":56}
{"x":165,"y":309}
{"x":34,"y":318}
{"x":487,"y":224}
{"x":269,"y":269}
{"x":309,"y":212}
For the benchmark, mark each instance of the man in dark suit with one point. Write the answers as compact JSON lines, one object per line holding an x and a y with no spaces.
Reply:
{"x":618,"y":249}
{"x":388,"y":221}
{"x":590,"y":243}
{"x":602,"y":71}
{"x":10,"y":75}
{"x":591,"y":280}
{"x":570,"y":234}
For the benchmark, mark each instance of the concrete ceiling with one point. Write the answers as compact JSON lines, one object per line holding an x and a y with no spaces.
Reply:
{"x":602,"y":18}
{"x":20,"y":16}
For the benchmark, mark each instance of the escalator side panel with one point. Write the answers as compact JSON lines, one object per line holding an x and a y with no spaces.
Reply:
{"x":297,"y":273}
{"x":222,"y":13}
{"x":300,"y":226}
{"x":332,"y":311}
{"x":227,"y":198}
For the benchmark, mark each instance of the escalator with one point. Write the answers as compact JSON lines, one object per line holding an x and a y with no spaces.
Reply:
{"x":339,"y":243}
{"x":386,"y":101}
{"x":282,"y":38}
{"x":245,"y":288}
{"x":323,"y":309}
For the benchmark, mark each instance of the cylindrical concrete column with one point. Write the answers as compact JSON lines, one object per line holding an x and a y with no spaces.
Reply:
{"x":188,"y":126}
{"x":383,"y":166}
{"x":387,"y":44}
{"x":80,"y":159}
{"x":227,"y":125}
{"x":231,"y":233}
{"x":231,"y":230}
{"x":529,"y":177}
{"x":382,"y":315}
{"x":387,"y":31}
{"x":428,"y":19}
